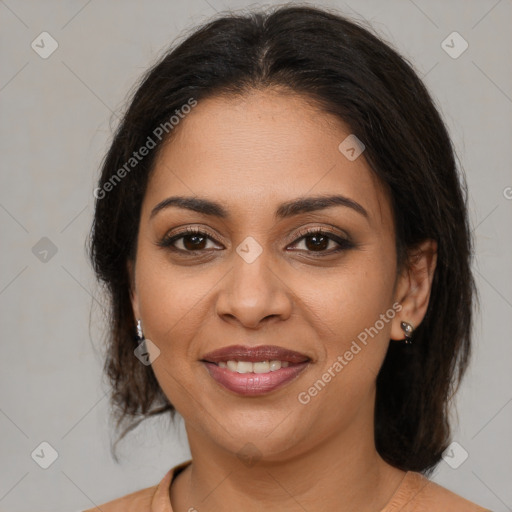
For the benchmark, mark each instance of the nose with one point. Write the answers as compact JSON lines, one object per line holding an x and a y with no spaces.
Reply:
{"x":254,"y":293}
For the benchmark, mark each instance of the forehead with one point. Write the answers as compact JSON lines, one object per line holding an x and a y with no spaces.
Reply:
{"x":265,"y":147}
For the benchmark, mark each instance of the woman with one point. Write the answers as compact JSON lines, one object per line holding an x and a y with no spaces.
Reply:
{"x":280,"y":221}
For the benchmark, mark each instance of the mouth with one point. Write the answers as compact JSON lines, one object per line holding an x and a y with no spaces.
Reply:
{"x":253,"y":371}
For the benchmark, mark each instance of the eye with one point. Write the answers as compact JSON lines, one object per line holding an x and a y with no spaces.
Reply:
{"x":317,"y":240}
{"x":191,"y":239}
{"x":314,"y":241}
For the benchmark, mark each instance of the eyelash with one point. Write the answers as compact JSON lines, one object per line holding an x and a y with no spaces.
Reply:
{"x":343,"y":243}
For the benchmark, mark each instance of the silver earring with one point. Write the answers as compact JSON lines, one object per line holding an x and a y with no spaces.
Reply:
{"x":408,"y":330}
{"x":140,"y":334}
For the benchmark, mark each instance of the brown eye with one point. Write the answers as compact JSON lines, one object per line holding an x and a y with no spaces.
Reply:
{"x":194,"y":242}
{"x":319,"y":241}
{"x":315,"y":241}
{"x":189,"y":240}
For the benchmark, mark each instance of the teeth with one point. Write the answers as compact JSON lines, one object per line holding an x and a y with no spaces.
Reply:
{"x":258,"y":367}
{"x":263,"y":367}
{"x":244,"y":367}
{"x":275,"y":365}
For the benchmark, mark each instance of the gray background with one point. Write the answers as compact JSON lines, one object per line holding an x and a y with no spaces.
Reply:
{"x":55,"y":126}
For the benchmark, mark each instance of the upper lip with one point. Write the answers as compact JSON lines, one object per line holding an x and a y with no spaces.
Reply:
{"x":254,"y":354}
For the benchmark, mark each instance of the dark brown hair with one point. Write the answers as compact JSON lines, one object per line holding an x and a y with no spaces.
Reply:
{"x":351,"y":73}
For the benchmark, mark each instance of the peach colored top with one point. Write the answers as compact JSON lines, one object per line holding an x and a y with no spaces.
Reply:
{"x":415,"y":494}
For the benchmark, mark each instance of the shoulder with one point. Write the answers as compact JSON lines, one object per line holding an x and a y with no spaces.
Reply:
{"x":138,"y":501}
{"x":419,"y":494}
{"x":150,"y":499}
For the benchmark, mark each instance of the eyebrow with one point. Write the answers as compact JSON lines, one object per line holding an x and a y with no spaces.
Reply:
{"x":285,"y":210}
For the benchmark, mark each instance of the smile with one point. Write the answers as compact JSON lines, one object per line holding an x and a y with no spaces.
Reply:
{"x":253,"y":371}
{"x":252,"y":383}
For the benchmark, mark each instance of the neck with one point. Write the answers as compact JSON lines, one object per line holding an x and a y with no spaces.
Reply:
{"x":343,"y":472}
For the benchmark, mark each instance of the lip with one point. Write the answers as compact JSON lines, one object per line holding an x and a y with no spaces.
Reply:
{"x":254,"y":384}
{"x":254,"y":354}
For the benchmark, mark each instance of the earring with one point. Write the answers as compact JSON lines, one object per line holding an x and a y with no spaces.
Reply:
{"x":408,"y":330}
{"x":140,"y":334}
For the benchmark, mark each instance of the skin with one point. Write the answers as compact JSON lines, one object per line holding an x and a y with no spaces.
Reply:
{"x":251,"y":154}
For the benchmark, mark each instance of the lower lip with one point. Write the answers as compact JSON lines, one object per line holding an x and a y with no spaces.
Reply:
{"x":254,"y":384}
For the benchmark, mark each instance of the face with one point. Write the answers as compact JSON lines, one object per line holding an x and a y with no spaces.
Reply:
{"x":317,"y":279}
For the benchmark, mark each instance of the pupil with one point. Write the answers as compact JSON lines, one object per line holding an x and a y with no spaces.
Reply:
{"x":193,"y":246}
{"x":317,"y":244}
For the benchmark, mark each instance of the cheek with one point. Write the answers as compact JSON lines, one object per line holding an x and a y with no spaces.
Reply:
{"x":354,"y":312}
{"x":354,"y":318}
{"x":169,"y":298}
{"x":169,"y":306}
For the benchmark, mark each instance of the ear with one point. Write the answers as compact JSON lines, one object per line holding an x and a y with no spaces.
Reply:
{"x":130,"y":265}
{"x":414,"y":286}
